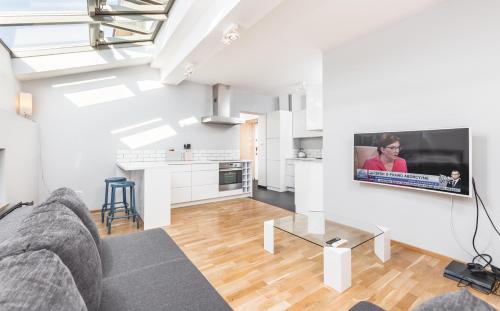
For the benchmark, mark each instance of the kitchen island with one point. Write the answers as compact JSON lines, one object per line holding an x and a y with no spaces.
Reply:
{"x":161,"y":186}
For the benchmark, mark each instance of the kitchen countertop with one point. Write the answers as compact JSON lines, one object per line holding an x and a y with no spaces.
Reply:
{"x":134,"y":166}
{"x":306,"y":159}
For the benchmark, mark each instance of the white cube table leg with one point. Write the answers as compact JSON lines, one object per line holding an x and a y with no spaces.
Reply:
{"x":269,"y":236}
{"x":383,"y":244}
{"x":337,"y":268}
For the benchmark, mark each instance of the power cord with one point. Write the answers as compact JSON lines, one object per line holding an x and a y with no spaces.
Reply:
{"x":488,"y":259}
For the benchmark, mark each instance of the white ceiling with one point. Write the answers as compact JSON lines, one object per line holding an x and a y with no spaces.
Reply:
{"x":285,"y":47}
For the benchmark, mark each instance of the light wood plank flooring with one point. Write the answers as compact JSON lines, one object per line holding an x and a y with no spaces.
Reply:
{"x":224,"y":240}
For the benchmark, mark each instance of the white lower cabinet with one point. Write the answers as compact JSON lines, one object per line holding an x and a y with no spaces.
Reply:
{"x":181,"y":179}
{"x":204,"y":192}
{"x":181,"y":195}
{"x":201,"y":178}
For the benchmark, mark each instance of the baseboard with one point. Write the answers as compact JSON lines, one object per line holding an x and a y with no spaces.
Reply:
{"x":219,"y":199}
{"x":422,"y":251}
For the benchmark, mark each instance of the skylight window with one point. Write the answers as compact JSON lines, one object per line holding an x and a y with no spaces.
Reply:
{"x":41,"y":27}
{"x":13,"y":7}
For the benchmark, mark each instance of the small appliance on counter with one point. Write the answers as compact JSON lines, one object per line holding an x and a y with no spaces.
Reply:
{"x":301,"y":153}
{"x":188,"y":154}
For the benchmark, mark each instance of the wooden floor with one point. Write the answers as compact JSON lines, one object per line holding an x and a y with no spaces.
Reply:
{"x":224,"y":240}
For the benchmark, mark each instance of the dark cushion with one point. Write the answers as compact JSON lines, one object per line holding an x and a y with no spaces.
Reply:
{"x":70,"y":199}
{"x":456,"y":301}
{"x":37,"y":281}
{"x":172,"y":285}
{"x":58,"y":229}
{"x":365,"y":306}
{"x":122,"y":254}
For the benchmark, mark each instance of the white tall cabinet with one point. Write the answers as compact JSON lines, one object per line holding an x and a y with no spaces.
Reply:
{"x":262,"y":152}
{"x":279,"y":148}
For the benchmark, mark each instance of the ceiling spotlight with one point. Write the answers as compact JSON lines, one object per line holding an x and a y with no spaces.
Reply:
{"x":230,"y":34}
{"x":188,"y":70}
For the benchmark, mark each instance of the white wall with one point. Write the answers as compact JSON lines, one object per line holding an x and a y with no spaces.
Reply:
{"x":18,"y":138}
{"x":435,"y":70}
{"x":9,"y":87}
{"x":78,"y":147}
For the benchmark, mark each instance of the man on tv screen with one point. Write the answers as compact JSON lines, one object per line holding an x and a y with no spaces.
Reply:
{"x":455,"y":181}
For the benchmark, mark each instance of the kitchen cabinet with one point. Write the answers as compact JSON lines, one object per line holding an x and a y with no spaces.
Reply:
{"x":300,"y":128}
{"x":308,"y":186}
{"x":314,"y":107}
{"x":200,"y":178}
{"x":273,"y":124}
{"x":262,"y":151}
{"x":290,"y":174}
{"x":279,"y":147}
{"x":181,"y":179}
{"x":273,"y":173}
{"x":204,"y":192}
{"x":181,"y":195}
{"x":193,"y":182}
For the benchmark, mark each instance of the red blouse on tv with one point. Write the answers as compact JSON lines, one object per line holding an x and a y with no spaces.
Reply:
{"x":375,"y":164}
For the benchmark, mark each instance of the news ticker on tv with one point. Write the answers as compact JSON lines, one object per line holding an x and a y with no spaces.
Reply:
{"x":436,"y":182}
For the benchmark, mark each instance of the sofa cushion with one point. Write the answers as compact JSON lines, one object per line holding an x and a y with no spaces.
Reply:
{"x":365,"y":306}
{"x":121,"y":254}
{"x":10,"y":223}
{"x":58,"y":229}
{"x":37,"y":281}
{"x":70,"y":199}
{"x":460,"y":300}
{"x":172,"y":285}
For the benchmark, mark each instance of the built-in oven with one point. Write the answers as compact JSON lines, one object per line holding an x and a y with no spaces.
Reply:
{"x":230,"y":176}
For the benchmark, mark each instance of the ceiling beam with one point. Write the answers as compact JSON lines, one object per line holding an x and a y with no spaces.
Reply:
{"x":128,"y":27}
{"x":131,"y":8}
{"x":76,"y":19}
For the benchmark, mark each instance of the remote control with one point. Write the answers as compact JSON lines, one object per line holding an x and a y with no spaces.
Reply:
{"x":330,"y":242}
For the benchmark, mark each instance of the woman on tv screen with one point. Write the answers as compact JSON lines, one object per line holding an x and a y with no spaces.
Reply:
{"x":388,"y":147}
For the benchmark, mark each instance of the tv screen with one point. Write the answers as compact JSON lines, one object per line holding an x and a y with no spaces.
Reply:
{"x":434,"y":160}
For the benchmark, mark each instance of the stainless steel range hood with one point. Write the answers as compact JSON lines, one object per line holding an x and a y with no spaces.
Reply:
{"x":221,"y":107}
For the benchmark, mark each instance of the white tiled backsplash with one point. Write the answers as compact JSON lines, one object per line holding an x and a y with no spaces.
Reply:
{"x":311,"y":153}
{"x":124,"y":156}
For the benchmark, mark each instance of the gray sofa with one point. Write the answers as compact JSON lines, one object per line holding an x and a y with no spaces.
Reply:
{"x":51,"y":258}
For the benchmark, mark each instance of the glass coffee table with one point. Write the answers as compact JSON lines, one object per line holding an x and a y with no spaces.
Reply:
{"x":336,"y":238}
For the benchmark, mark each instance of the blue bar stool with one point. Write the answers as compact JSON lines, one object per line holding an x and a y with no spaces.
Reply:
{"x":108,"y":181}
{"x":131,"y":212}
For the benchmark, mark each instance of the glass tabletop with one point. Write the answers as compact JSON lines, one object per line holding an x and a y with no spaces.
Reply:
{"x":313,"y":227}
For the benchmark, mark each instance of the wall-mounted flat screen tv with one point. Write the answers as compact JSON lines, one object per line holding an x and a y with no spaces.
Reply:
{"x":433,"y":160}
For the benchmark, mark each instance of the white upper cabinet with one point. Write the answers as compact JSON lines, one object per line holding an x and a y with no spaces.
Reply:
{"x":314,"y":107}
{"x":300,"y":129}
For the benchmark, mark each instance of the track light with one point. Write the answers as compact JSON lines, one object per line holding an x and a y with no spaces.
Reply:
{"x":230,"y":34}
{"x":188,"y":70}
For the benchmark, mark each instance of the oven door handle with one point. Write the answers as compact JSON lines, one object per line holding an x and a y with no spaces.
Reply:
{"x":231,"y":170}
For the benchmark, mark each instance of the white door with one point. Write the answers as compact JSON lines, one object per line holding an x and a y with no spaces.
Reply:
{"x":262,"y":157}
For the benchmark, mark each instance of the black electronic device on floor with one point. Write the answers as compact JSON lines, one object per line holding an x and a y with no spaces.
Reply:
{"x":484,"y":281}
